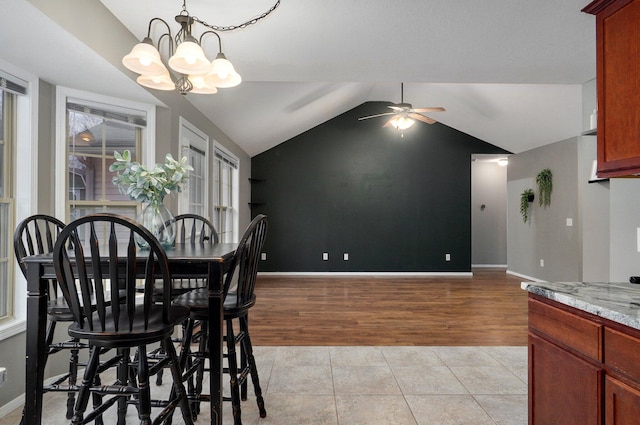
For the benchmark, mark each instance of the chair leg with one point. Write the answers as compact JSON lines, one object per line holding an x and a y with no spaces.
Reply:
{"x":85,"y":388}
{"x":247,"y":350}
{"x":184,"y":360}
{"x":233,"y":374}
{"x":202,"y":348}
{"x":243,"y":366}
{"x":73,"y":376}
{"x":144,"y":392}
{"x":178,"y":386}
{"x":123,"y":374}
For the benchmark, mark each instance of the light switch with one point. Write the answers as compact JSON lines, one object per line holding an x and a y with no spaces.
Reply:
{"x":569,"y":222}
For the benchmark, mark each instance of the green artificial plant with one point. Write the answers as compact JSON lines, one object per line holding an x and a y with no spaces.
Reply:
{"x":525,"y":198}
{"x":544,"y":179}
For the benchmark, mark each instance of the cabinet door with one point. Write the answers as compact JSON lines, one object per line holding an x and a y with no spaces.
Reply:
{"x":563,"y":389}
{"x":618,"y":81}
{"x":622,"y":405}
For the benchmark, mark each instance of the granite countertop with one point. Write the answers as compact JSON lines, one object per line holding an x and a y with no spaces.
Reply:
{"x":616,"y":301}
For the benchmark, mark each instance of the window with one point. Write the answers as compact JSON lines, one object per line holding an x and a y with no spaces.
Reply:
{"x":7,"y":136}
{"x":95,"y":127}
{"x":225,"y":178}
{"x":17,"y":186}
{"x":194,"y":144}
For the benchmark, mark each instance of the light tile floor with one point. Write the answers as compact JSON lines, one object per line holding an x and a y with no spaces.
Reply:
{"x":374,"y":386}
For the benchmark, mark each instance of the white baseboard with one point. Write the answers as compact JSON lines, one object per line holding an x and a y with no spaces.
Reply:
{"x":534,"y":279}
{"x":19,"y":401}
{"x":370,"y":274}
{"x":11,"y":406}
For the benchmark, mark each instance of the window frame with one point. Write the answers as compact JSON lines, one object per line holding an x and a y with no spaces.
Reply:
{"x":235,"y":190}
{"x":25,"y":186}
{"x":147,"y":142}
{"x":184,"y":201}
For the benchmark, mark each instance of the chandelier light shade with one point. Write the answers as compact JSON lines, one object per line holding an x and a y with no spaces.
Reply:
{"x":402,"y":122}
{"x":159,"y":82}
{"x":189,"y":59}
{"x":195,"y":73}
{"x":200,"y":86}
{"x":222,"y":73}
{"x":144,"y":58}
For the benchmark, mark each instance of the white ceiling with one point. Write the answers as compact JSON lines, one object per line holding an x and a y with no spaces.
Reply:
{"x":507,"y":71}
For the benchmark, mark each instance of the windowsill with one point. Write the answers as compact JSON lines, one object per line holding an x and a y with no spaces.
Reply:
{"x":11,"y":328}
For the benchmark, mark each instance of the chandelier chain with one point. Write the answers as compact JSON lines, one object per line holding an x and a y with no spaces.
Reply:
{"x":240,"y":26}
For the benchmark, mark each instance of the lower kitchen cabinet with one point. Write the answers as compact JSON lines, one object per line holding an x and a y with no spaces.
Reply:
{"x":566,"y":389}
{"x":583,"y":369}
{"x":622,"y":403}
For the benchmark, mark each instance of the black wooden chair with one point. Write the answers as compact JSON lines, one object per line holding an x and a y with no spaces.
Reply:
{"x":237,"y":302}
{"x":105,"y":259}
{"x":192,"y":228}
{"x":36,"y":235}
{"x":195,"y":229}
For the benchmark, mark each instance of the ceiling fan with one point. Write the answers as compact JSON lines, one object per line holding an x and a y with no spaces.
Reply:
{"x":404,"y":115}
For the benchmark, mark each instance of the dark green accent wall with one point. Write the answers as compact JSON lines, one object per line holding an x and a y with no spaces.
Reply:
{"x":394,"y":204}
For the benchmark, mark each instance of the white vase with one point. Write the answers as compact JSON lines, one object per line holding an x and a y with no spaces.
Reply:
{"x":157,"y":218}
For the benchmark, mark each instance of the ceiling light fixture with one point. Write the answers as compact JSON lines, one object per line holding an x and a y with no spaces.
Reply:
{"x":196,"y":73}
{"x":402,"y":121}
{"x":503,"y":162}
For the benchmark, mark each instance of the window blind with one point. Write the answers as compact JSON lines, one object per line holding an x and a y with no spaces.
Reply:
{"x":12,"y":84}
{"x":109,"y":112}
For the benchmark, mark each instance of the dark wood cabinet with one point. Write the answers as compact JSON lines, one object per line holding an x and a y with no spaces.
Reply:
{"x":622,"y":403}
{"x":567,"y":389}
{"x":618,"y":85}
{"x":565,"y":372}
{"x":583,"y":369}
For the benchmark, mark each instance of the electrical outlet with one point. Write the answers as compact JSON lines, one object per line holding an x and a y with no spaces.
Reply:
{"x":325,"y":256}
{"x":3,"y":375}
{"x":447,"y":257}
{"x":345,"y":256}
{"x":541,"y":262}
{"x":263,"y":256}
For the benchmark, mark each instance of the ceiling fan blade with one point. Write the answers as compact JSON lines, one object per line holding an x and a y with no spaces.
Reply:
{"x":431,"y":109}
{"x":422,"y":118}
{"x":376,"y":116}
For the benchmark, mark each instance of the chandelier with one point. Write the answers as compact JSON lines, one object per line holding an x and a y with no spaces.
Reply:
{"x":196,"y":73}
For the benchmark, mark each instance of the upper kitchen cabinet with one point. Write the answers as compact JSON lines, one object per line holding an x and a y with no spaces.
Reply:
{"x":618,"y":85}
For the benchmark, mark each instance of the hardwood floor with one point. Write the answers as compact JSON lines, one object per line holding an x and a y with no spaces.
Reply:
{"x":486,"y":309}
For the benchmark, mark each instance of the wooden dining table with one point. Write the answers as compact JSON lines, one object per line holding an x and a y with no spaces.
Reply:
{"x":185,"y":260}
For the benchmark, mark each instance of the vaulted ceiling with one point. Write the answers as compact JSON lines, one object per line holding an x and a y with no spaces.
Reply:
{"x":507,"y":71}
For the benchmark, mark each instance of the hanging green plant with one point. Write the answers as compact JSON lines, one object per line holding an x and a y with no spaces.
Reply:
{"x":526,"y":197}
{"x":544,"y":179}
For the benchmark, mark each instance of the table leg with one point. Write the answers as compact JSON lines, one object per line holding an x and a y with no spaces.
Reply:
{"x":36,"y":348}
{"x":216,"y":319}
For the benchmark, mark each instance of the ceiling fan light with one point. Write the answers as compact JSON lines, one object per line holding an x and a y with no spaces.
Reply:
{"x":158,"y":82}
{"x":223,"y":74}
{"x":402,"y":122}
{"x":144,"y":59}
{"x":189,"y":59}
{"x":201,"y":86}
